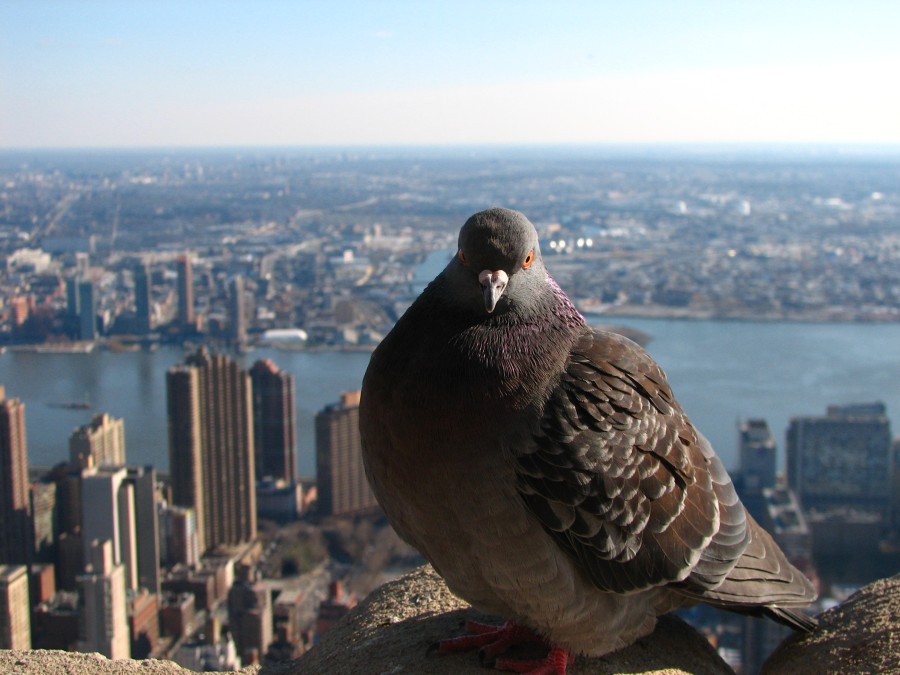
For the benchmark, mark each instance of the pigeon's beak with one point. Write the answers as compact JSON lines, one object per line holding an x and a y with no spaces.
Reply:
{"x":493,"y":284}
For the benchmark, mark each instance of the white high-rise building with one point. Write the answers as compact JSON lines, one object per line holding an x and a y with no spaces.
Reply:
{"x":108,"y":513}
{"x":103,"y":623}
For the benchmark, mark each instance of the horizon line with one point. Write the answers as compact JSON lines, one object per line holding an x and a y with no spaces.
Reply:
{"x":873,"y":148}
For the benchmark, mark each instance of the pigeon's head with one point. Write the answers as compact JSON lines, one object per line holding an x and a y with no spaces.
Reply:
{"x":498,"y":265}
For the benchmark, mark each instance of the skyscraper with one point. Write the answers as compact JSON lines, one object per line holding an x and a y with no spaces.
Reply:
{"x":756,"y":447}
{"x":146,"y":514}
{"x":250,"y":615}
{"x":179,"y":540}
{"x":43,"y":513}
{"x":100,"y":443}
{"x":842,"y":459}
{"x":274,"y":421}
{"x":142,"y":298}
{"x":119,"y":505}
{"x":340,"y":475}
{"x":69,"y":547}
{"x":211,"y":450}
{"x":16,"y":529}
{"x":103,"y":623}
{"x":15,"y":604}
{"x":185,"y":293}
{"x":108,"y":515}
{"x":238,"y":316}
{"x":87,"y":311}
{"x":73,"y":307}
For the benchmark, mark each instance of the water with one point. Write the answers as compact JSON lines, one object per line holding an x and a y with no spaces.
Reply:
{"x":720,"y":371}
{"x":132,"y":386}
{"x":723,"y":371}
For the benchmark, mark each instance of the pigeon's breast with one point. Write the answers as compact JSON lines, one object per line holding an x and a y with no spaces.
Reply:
{"x":454,"y":498}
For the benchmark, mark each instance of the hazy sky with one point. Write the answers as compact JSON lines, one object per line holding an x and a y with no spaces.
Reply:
{"x":190,"y":72}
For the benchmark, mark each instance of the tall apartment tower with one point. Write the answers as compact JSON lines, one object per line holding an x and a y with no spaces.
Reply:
{"x":185,"y":292}
{"x":842,"y":459}
{"x":103,"y":620}
{"x":756,"y":447}
{"x":211,"y":450}
{"x":274,"y":421}
{"x":87,"y":311}
{"x":340,"y":475}
{"x":100,"y":443}
{"x":16,"y":528}
{"x":142,"y":307}
{"x":237,"y":312}
{"x":15,"y":608}
{"x":73,"y":306}
{"x":69,"y":551}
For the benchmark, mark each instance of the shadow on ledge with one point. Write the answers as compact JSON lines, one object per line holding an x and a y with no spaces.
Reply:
{"x":391,"y":631}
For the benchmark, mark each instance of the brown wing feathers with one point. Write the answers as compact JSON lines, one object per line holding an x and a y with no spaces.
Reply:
{"x":623,"y":482}
{"x":620,"y":505}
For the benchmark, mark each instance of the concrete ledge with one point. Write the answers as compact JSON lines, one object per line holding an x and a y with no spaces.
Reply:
{"x":52,"y":662}
{"x":861,"y":635}
{"x":391,"y":631}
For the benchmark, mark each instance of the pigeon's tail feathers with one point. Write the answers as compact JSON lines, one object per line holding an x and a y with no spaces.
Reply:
{"x":795,"y":619}
{"x":763,"y":583}
{"x":792,"y":618}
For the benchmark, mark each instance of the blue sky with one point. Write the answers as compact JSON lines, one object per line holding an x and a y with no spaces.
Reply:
{"x":193,"y":73}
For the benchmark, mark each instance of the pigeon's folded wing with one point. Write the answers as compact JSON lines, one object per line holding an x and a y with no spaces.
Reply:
{"x":621,"y":479}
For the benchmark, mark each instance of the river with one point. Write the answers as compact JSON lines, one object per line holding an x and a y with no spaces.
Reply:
{"x":720,"y":371}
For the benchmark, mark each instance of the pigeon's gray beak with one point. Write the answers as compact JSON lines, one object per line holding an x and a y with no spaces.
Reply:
{"x":493,"y":283}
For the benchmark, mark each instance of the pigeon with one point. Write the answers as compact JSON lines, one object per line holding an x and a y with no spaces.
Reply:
{"x":545,"y":469}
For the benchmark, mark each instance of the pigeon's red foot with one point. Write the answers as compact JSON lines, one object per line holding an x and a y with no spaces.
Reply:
{"x":491,"y":641}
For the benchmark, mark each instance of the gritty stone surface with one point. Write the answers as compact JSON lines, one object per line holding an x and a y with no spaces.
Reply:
{"x":858,"y":636}
{"x":52,"y":662}
{"x":392,"y":630}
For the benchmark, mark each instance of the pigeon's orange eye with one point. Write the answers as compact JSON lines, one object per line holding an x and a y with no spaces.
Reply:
{"x":461,"y":256}
{"x":528,"y":260}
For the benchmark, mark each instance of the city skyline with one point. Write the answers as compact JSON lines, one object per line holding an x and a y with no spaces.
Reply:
{"x":95,"y":74}
{"x":117,"y":262}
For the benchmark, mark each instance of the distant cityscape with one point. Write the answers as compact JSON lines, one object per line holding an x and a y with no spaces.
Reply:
{"x":320,"y":247}
{"x":231,"y":558}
